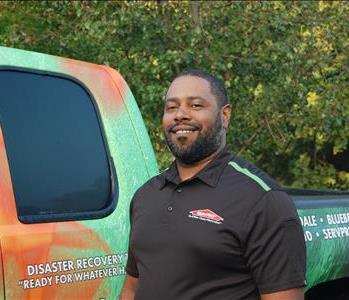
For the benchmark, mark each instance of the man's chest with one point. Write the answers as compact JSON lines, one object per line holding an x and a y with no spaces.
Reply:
{"x":202,"y":222}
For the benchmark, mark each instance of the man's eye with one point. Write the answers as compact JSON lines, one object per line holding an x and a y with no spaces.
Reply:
{"x":196,"y":105}
{"x":170,"y":107}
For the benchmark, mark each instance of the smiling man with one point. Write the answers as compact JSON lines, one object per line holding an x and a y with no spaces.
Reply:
{"x":212,"y":226}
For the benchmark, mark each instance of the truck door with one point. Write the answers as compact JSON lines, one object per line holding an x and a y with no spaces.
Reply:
{"x":65,"y":184}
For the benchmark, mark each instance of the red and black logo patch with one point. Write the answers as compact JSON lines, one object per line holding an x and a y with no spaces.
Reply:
{"x":206,"y":215}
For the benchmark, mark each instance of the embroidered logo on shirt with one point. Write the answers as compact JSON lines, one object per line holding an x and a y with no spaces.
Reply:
{"x":206,"y":215}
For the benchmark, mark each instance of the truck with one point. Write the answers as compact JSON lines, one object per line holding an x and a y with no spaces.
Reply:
{"x":73,"y":150}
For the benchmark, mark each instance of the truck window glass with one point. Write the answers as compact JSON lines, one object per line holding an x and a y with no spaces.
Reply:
{"x":58,"y":160}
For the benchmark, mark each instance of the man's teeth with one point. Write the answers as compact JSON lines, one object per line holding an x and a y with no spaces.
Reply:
{"x":183,"y":131}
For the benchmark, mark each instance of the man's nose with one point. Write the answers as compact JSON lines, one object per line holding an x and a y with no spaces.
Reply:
{"x":182,"y":113}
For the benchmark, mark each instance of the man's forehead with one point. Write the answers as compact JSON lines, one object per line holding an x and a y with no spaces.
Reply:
{"x":188,"y":87}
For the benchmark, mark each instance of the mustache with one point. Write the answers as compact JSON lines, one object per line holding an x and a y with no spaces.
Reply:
{"x":173,"y":127}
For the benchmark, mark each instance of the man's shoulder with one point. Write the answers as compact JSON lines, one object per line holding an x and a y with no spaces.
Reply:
{"x":154,"y":182}
{"x":254,"y":190}
{"x":247,"y":175}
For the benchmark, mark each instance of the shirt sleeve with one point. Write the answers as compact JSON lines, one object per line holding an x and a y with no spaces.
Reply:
{"x":131,"y":265}
{"x":274,"y":244}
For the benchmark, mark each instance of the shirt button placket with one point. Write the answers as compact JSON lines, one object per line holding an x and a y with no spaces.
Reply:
{"x":170,"y":206}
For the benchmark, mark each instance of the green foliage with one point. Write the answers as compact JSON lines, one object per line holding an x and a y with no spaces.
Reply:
{"x":285,"y":65}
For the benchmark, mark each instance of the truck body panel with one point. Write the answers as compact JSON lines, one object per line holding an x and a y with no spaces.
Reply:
{"x":82,"y":259}
{"x":325,"y":220}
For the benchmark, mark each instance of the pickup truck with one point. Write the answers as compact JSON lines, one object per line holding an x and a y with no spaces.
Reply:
{"x":73,"y":150}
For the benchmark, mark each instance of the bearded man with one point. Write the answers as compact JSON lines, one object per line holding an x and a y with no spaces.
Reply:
{"x":212,"y":226}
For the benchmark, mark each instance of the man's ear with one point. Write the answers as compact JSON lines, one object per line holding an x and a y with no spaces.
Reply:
{"x":226,"y":113}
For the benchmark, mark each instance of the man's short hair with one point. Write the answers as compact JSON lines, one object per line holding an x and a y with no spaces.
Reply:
{"x":216,"y":85}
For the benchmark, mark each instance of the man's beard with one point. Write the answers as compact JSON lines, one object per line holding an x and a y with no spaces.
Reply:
{"x":205,"y":144}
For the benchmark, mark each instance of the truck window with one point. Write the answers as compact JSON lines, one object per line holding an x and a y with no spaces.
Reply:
{"x":58,"y":160}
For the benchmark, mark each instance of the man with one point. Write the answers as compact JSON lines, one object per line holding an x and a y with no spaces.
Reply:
{"x":212,"y":226}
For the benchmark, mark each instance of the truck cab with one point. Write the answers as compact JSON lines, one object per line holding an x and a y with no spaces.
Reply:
{"x":73,"y":150}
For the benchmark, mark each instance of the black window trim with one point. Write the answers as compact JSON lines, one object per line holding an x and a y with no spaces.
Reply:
{"x":73,"y":216}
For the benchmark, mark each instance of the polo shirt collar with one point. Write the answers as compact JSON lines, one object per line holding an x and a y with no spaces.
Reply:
{"x":209,"y":175}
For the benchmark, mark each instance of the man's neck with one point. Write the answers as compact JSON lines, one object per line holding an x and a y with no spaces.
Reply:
{"x":186,"y":171}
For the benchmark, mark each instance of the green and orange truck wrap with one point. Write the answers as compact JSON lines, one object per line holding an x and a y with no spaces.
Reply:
{"x":70,"y":252}
{"x":82,"y":259}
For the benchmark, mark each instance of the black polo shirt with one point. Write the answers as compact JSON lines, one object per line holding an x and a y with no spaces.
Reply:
{"x":229,"y":232}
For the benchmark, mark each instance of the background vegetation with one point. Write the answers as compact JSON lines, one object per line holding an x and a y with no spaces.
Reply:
{"x":285,"y":65}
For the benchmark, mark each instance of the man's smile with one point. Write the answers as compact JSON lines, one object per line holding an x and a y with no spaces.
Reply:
{"x":182,"y":132}
{"x":183,"y":127}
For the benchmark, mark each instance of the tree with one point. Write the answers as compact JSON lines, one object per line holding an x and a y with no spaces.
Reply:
{"x":285,"y":65}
